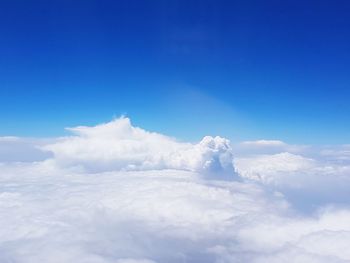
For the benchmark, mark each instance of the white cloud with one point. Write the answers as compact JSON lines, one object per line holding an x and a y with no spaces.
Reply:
{"x":306,"y":182}
{"x":156,"y":216}
{"x":264,"y":143}
{"x":268,"y":147}
{"x":118,"y":145}
{"x":142,"y":197}
{"x":269,"y":168}
{"x":339,"y":153}
{"x":291,"y":169}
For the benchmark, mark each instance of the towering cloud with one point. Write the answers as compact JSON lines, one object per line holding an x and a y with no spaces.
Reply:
{"x":118,"y":145}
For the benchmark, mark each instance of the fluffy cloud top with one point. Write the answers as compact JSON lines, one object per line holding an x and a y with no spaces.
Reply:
{"x":157,"y":216}
{"x":117,"y":193}
{"x":269,"y":167}
{"x":118,"y":145}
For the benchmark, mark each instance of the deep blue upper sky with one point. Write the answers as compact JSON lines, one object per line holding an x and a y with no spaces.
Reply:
{"x":241,"y":69}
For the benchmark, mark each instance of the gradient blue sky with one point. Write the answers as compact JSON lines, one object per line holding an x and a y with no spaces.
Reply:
{"x":241,"y":69}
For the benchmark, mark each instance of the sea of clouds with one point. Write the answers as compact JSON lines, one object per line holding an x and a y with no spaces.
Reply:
{"x":115,"y":193}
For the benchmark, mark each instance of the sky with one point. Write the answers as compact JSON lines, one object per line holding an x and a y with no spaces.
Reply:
{"x":246,"y":70}
{"x":174,"y":131}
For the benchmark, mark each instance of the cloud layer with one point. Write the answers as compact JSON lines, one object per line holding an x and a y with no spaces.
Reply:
{"x":118,"y":145}
{"x":117,"y":193}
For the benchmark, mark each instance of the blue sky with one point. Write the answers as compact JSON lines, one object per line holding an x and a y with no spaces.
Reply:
{"x":241,"y":69}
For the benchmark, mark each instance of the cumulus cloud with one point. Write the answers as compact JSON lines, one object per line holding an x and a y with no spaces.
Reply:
{"x":269,"y":167}
{"x":307,"y":180}
{"x":118,"y":145}
{"x":117,"y":193}
{"x":287,"y":168}
{"x":268,"y":147}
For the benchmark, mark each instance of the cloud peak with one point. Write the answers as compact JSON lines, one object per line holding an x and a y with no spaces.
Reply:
{"x":118,"y":145}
